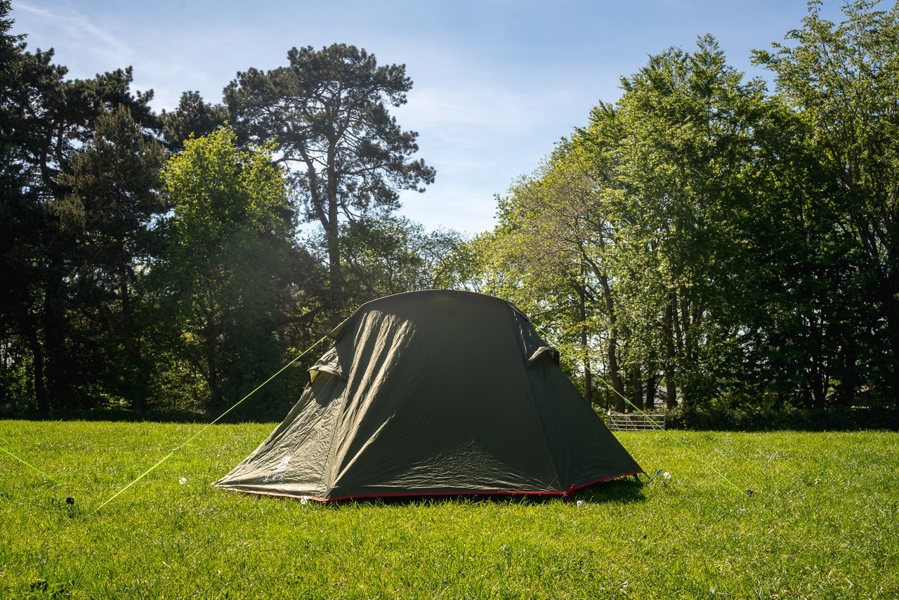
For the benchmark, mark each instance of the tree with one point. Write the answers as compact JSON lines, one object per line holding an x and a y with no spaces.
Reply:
{"x":46,"y":121}
{"x":842,"y":80}
{"x":18,"y":213}
{"x":230,"y":270}
{"x":116,"y":187}
{"x":685,"y":145}
{"x":328,"y":111}
{"x":637,"y":240}
{"x":552,"y":246}
{"x":391,"y":255}
{"x":192,"y":117}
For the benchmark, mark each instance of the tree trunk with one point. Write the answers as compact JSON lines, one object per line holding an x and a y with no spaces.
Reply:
{"x":670,"y":350}
{"x":334,"y":270}
{"x":614,"y":368}
{"x":37,"y":371}
{"x":56,"y":367}
{"x":588,"y":386}
{"x":332,"y":230}
{"x":676,"y":326}
{"x":585,"y":350}
{"x":326,"y":207}
{"x":615,"y":375}
{"x":893,"y":335}
{"x":126,"y":333}
{"x":216,"y":397}
{"x":650,"y":401}
{"x":684,"y":324}
{"x":637,"y":388}
{"x":890,"y":308}
{"x":818,"y":380}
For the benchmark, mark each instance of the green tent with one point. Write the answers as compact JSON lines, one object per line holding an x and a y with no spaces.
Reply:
{"x":434,"y":393}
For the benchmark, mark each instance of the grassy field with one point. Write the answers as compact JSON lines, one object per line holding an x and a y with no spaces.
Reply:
{"x":821,"y":523}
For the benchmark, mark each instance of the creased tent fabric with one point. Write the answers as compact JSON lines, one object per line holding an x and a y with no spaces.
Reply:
{"x":434,"y":393}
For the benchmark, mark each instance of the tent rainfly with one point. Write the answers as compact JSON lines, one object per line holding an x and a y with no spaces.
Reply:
{"x":435,"y":393}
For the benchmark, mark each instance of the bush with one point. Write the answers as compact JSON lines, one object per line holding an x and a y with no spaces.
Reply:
{"x":750,"y":418}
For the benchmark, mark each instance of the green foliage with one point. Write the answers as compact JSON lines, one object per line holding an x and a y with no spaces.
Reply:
{"x":217,"y":190}
{"x":127,"y":293}
{"x":46,"y":122}
{"x":820,"y":523}
{"x":684,"y":123}
{"x":842,"y":82}
{"x":624,"y":236}
{"x":115,"y":188}
{"x":711,"y":244}
{"x":192,"y":118}
{"x":328,"y":110}
{"x":230,"y":266}
{"x":550,"y":250}
{"x":390,"y":255}
{"x":703,"y":242}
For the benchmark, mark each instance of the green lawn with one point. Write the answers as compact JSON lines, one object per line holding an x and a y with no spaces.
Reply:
{"x":821,"y":523}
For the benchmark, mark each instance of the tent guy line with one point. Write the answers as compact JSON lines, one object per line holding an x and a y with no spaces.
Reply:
{"x":668,"y":433}
{"x":27,"y":464}
{"x":676,"y":439}
{"x":211,"y":423}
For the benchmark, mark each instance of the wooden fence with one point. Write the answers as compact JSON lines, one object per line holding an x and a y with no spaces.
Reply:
{"x":634,"y":421}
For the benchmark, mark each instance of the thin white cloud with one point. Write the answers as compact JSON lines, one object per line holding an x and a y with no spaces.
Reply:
{"x":76,"y":32}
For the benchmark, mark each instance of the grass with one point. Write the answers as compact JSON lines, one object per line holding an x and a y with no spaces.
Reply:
{"x":821,"y":523}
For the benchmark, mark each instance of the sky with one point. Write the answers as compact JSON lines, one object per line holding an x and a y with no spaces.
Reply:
{"x":496,"y":83}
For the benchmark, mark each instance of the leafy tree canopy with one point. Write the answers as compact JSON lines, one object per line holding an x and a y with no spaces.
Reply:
{"x":328,"y":110}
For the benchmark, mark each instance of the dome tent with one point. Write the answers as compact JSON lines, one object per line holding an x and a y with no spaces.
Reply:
{"x":434,"y":393}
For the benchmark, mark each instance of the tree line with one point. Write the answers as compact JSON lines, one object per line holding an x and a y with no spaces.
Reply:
{"x":162,"y":260}
{"x":704,"y":243}
{"x":711,"y":245}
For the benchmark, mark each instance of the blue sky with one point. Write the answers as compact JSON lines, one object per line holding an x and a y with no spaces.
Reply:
{"x":496,"y":82}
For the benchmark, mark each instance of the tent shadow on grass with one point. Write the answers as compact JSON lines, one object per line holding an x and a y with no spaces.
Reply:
{"x":625,"y":491}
